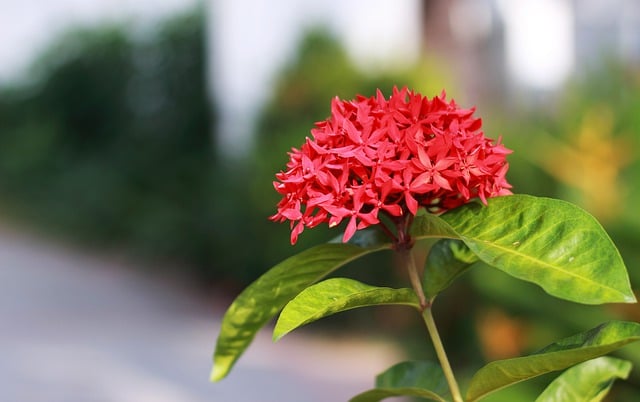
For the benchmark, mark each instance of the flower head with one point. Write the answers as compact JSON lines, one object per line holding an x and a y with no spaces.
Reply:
{"x":389,"y":156}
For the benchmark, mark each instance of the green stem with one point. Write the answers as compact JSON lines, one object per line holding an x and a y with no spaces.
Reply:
{"x":442,"y":355}
{"x":427,"y":316}
{"x":414,"y":277}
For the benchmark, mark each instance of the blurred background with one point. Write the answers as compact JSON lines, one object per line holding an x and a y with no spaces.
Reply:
{"x":139,"y":141}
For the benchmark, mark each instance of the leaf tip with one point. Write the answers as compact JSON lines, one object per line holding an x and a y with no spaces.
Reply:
{"x":218,"y":373}
{"x":630,"y":298}
{"x":278,"y":333}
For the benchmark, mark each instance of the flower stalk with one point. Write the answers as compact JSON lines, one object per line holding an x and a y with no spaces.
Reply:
{"x":427,"y":316}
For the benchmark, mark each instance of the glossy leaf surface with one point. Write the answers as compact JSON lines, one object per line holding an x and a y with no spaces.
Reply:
{"x":557,"y":356}
{"x":551,"y":243}
{"x":413,"y":378}
{"x":333,"y":296}
{"x":265,"y":297}
{"x":586,"y":382}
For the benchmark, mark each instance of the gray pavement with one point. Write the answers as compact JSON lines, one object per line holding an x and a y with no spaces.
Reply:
{"x":77,"y":327}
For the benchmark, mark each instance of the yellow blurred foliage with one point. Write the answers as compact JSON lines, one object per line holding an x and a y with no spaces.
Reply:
{"x":589,"y":161}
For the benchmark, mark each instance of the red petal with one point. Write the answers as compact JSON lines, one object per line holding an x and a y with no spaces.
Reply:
{"x":350,"y":230}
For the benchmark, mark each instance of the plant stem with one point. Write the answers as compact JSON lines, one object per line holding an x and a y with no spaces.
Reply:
{"x":442,"y":355}
{"x":427,"y":316}
{"x":414,"y":277}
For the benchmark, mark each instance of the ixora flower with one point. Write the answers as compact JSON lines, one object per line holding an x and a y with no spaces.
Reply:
{"x":376,"y":156}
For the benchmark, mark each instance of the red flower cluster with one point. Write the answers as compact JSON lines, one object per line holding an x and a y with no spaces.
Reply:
{"x":376,"y":155}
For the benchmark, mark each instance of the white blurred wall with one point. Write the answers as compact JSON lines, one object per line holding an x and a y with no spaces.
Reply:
{"x":28,"y":26}
{"x":539,"y":36}
{"x":252,"y":39}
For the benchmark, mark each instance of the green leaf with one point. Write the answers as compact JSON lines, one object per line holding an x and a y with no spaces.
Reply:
{"x":365,"y":238}
{"x":262,"y":300}
{"x":413,"y":378}
{"x":447,"y":259}
{"x":333,"y":296}
{"x":378,"y":394}
{"x":430,"y":226}
{"x":586,"y":382}
{"x":551,"y":243}
{"x":557,"y":356}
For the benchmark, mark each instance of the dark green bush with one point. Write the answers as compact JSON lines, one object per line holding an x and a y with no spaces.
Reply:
{"x":112,"y":142}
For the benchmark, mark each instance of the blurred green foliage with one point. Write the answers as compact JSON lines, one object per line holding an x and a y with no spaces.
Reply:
{"x":581,"y":147}
{"x":111,"y":142}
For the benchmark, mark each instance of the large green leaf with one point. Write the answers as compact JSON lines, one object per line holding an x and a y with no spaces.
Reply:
{"x":557,"y":356}
{"x":447,"y":259}
{"x":262,"y":300}
{"x":586,"y":382}
{"x":551,"y":243}
{"x":413,"y":378}
{"x":336,"y":295}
